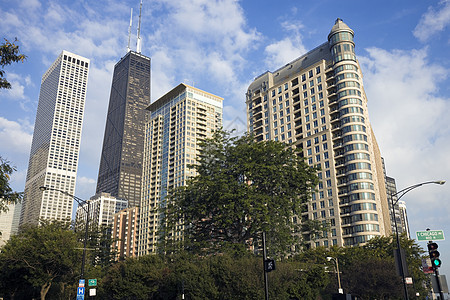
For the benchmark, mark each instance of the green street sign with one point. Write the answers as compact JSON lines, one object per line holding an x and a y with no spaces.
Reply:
{"x":430,"y":235}
{"x":92,"y":282}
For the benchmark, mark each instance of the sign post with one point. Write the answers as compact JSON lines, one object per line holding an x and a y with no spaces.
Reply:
{"x":430,"y":235}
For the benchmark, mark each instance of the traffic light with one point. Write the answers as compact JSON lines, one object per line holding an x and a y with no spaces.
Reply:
{"x":434,"y":255}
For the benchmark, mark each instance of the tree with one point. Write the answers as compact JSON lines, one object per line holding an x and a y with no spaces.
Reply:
{"x":7,"y":195}
{"x":243,"y":187}
{"x":38,"y":257}
{"x":9,"y":53}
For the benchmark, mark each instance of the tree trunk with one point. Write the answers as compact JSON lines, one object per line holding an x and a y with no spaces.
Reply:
{"x":44,"y":289}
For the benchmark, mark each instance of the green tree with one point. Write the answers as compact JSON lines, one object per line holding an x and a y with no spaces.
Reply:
{"x":9,"y":53}
{"x":38,"y":257}
{"x":7,"y":195}
{"x":243,"y":187}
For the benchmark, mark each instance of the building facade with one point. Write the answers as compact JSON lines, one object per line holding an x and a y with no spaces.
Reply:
{"x":102,"y":208}
{"x":399,"y":211}
{"x":124,"y":233}
{"x":9,"y":222}
{"x":179,"y":120}
{"x":123,"y":143}
{"x":56,"y":140}
{"x":317,"y":103}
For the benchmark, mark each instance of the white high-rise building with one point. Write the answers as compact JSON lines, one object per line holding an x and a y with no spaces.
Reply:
{"x":56,"y":140}
{"x":9,"y":222}
{"x":179,"y":121}
{"x":102,"y":208}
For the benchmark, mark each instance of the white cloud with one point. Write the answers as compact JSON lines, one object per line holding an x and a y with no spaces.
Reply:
{"x":85,"y":188}
{"x":14,"y":136}
{"x":411,"y":124}
{"x":286,"y":50}
{"x":433,"y":21}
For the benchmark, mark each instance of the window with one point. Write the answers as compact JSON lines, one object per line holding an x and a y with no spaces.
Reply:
{"x":304,"y":86}
{"x":325,"y":146}
{"x":311,"y":83}
{"x":309,"y":151}
{"x":322,"y":204}
{"x":322,"y":214}
{"x":317,"y":69}
{"x":279,"y":90}
{"x":314,"y":206}
{"x":286,"y":86}
{"x":317,"y":149}
{"x":310,"y":73}
{"x":303,"y":77}
{"x":319,"y":79}
{"x":327,"y":164}
{"x":324,"y":137}
{"x":305,"y":94}
{"x":273,"y":93}
{"x":286,"y":95}
{"x":331,"y":211}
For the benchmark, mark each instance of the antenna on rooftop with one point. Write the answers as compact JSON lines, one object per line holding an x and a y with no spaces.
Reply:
{"x":129,"y":31}
{"x":138,"y":43}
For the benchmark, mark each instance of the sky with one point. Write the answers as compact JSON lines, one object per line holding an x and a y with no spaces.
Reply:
{"x":220,"y":46}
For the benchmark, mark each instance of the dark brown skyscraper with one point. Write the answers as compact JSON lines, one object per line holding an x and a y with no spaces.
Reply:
{"x":123,"y":144}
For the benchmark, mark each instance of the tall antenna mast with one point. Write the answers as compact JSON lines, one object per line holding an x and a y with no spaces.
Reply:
{"x":138,"y":43}
{"x":129,"y":31}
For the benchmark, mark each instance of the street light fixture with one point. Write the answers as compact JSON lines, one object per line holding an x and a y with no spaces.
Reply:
{"x":399,"y":195}
{"x":340,"y":290}
{"x":82,"y":203}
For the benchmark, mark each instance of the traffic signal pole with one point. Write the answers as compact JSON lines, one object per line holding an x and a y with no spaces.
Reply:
{"x":438,"y":281}
{"x":266,"y":279}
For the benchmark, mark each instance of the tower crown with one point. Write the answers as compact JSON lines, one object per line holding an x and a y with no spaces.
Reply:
{"x":339,"y":26}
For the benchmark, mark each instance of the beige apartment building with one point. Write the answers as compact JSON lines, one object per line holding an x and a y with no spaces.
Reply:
{"x":179,"y":120}
{"x":317,"y":103}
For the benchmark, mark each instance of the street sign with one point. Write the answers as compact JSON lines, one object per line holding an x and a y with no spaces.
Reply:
{"x":80,"y":291}
{"x":92,"y":282}
{"x":81,"y":282}
{"x":92,"y":292}
{"x":430,"y":235}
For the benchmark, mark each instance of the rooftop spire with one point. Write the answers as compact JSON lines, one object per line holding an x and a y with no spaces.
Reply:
{"x":129,"y":31}
{"x":138,"y":42}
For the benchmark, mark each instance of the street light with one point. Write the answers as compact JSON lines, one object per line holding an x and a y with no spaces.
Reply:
{"x":340,"y":290}
{"x":399,"y":195}
{"x":82,"y":203}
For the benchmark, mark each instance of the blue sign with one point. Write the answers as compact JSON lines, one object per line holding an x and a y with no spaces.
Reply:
{"x":81,"y":282}
{"x":80,"y":297}
{"x":80,"y":290}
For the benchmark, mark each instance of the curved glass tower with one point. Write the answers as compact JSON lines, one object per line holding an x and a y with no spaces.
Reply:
{"x":317,"y":103}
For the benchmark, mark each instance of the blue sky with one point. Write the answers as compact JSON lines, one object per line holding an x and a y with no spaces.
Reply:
{"x":221,"y":46}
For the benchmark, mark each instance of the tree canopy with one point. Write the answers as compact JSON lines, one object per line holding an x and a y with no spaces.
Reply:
{"x":9,"y":53}
{"x":243,"y":187}
{"x":7,"y":195}
{"x":38,"y":257}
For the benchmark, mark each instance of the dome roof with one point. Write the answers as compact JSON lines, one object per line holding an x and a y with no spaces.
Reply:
{"x":339,"y":25}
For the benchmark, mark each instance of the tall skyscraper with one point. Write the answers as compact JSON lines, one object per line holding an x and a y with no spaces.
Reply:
{"x":317,"y":103}
{"x":56,"y":140}
{"x":179,"y":121}
{"x":123,"y":143}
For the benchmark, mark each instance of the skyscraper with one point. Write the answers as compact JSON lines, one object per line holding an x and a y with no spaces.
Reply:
{"x":123,"y":143}
{"x":56,"y":140}
{"x":317,"y":103}
{"x":179,"y":121}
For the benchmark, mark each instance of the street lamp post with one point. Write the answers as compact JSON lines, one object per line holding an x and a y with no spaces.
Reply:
{"x":340,"y":290}
{"x":399,"y":195}
{"x":82,"y":203}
